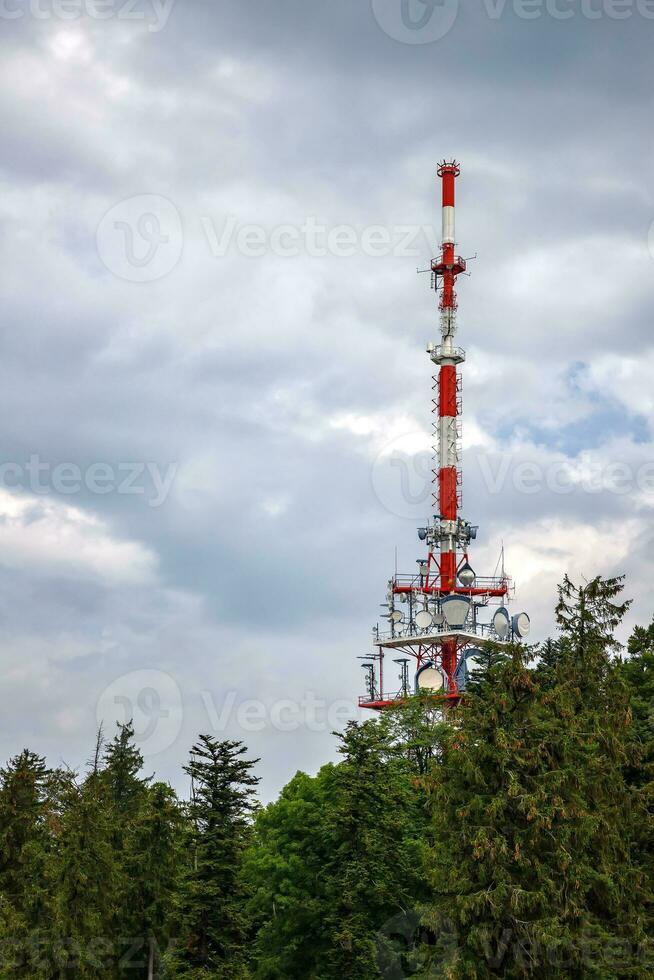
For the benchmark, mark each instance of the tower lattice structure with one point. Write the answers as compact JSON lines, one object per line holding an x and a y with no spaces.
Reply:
{"x":436,"y":616}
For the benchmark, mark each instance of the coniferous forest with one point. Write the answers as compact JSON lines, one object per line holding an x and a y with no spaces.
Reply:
{"x":514,"y":840}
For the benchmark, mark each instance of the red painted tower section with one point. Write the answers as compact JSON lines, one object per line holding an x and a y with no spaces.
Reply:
{"x":449,"y":475}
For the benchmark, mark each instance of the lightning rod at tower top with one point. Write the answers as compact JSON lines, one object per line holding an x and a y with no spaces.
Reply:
{"x":440,"y":617}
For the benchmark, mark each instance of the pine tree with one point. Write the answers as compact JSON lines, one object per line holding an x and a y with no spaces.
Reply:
{"x":212,"y":921}
{"x":374,"y":830}
{"x":588,"y":617}
{"x":638,"y":673}
{"x":87,"y":884}
{"x":339,"y":859}
{"x":549,"y":656}
{"x":23,"y":850}
{"x":533,"y":869}
{"x":117,"y":766}
{"x":152,"y":857}
{"x":122,"y":764}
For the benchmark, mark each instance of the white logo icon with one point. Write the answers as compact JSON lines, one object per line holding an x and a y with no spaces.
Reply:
{"x":402,"y":477}
{"x":416,"y":21}
{"x":152,"y":700}
{"x":141,"y":239}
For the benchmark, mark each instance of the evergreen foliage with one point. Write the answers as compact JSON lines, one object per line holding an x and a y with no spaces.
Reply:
{"x":24,"y":844}
{"x":211,"y":914}
{"x":638,"y":673}
{"x":533,"y":868}
{"x":510,"y":837}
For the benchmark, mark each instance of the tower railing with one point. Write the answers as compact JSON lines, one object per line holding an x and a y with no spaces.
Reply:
{"x":488,"y":583}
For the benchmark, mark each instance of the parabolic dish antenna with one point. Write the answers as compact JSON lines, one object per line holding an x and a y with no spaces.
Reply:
{"x":397,"y":616}
{"x":470,"y":661}
{"x":467,"y":575}
{"x":455,"y":609}
{"x":430,"y":678}
{"x":501,"y":623}
{"x":424,"y":619}
{"x":521,"y":625}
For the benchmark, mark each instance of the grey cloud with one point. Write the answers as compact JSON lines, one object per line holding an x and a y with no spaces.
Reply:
{"x":236,"y":368}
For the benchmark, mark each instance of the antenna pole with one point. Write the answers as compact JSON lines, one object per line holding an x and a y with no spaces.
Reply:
{"x":448,"y":267}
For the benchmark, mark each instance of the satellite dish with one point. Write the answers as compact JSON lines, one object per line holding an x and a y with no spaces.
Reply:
{"x":455,"y":610}
{"x":502,"y":623}
{"x":469,"y":662}
{"x":438,"y":618}
{"x":467,"y":575}
{"x":424,"y":619}
{"x":521,"y":625}
{"x":397,"y":616}
{"x":430,"y":678}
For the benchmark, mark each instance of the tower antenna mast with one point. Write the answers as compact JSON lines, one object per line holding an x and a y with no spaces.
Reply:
{"x":435,"y":614}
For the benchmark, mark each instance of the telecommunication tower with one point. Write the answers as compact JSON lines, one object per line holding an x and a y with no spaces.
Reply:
{"x":436,"y":615}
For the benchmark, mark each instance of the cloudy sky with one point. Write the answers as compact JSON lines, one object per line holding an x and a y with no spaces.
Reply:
{"x":215,"y":397}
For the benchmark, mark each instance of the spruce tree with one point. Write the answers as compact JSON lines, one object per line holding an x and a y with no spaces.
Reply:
{"x":211,"y":906}
{"x":376,"y":864}
{"x":638,"y":673}
{"x":122,"y":765}
{"x":152,"y":856}
{"x":24,"y":842}
{"x":117,"y":766}
{"x":87,"y":885}
{"x":339,"y":860}
{"x":532,"y":819}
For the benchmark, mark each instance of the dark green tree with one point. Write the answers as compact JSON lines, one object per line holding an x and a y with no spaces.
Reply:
{"x":289,"y":864}
{"x":121,"y":771}
{"x":87,"y":884}
{"x":211,"y":908}
{"x":638,"y":673}
{"x":414,"y":731}
{"x":152,"y":859}
{"x":24,"y":842}
{"x":377,"y":862}
{"x":533,"y":869}
{"x":340,"y":856}
{"x":118,"y":768}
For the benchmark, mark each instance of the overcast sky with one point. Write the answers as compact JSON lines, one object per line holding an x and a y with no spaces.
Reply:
{"x":214,"y":391}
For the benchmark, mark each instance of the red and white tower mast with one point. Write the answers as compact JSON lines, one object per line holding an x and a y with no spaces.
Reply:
{"x":434,"y":615}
